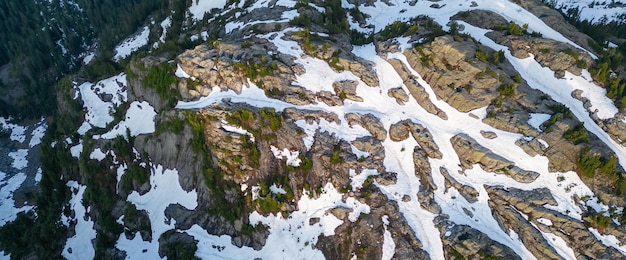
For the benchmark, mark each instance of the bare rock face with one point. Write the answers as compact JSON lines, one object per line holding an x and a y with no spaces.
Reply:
{"x":509,"y":205}
{"x":399,"y":94}
{"x":370,"y":122}
{"x":347,"y":88}
{"x":549,"y":53}
{"x":471,"y":153}
{"x":471,"y":243}
{"x":416,"y":89}
{"x":450,"y":68}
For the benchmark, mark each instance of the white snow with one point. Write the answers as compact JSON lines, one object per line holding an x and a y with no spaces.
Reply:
{"x":165,"y":190}
{"x":290,"y":156}
{"x":98,"y":112}
{"x":277,"y":190}
{"x":357,"y":180}
{"x":38,"y":175}
{"x":139,"y":119}
{"x":292,"y":237}
{"x":8,"y":210}
{"x":97,"y":154}
{"x":199,"y":8}
{"x":17,"y":131}
{"x":80,"y":244}
{"x":545,"y":221}
{"x":76,"y":150}
{"x":88,"y":58}
{"x":131,"y":44}
{"x":37,"y":134}
{"x":594,"y":11}
{"x":537,"y":119}
{"x":165,"y":24}
{"x":237,"y":130}
{"x":609,"y":240}
{"x":181,"y":73}
{"x":389,"y":247}
{"x":19,"y":159}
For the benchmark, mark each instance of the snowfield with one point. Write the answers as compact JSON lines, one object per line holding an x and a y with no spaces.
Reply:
{"x":293,"y":237}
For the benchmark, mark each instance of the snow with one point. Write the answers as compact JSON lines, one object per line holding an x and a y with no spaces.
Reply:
{"x":165,"y":190}
{"x":609,"y":240}
{"x":165,"y":24}
{"x":357,"y":180}
{"x":8,"y":210}
{"x":536,"y":119}
{"x":277,"y":190}
{"x":389,"y":247}
{"x":76,"y":150}
{"x":560,"y":90}
{"x":139,"y":119}
{"x":199,"y":8}
{"x":38,"y":175}
{"x":97,"y":154}
{"x":80,"y":244}
{"x":98,"y":112}
{"x":17,"y":131}
{"x":19,"y":159}
{"x":359,"y":154}
{"x":88,"y":58}
{"x":237,"y":130}
{"x":292,"y":237}
{"x":596,"y":12}
{"x":545,"y":221}
{"x":290,"y":156}
{"x":37,"y":134}
{"x":131,"y":44}
{"x":181,"y":73}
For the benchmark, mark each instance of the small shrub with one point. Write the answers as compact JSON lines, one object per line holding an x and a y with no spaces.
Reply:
{"x":577,"y":135}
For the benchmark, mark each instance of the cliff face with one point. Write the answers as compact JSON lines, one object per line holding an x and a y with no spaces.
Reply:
{"x":456,"y":132}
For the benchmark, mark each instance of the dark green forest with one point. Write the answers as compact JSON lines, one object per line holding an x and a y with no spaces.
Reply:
{"x":33,"y":32}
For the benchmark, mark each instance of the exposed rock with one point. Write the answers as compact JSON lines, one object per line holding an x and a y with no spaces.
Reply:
{"x":399,"y":131}
{"x":488,"y":134}
{"x":469,"y":193}
{"x":470,"y":153}
{"x":399,"y":94}
{"x":417,"y":90}
{"x":473,"y":244}
{"x":347,"y":88}
{"x":370,"y":122}
{"x":173,"y":243}
{"x":531,"y":203}
{"x":549,"y":53}
{"x":451,"y":70}
{"x":425,"y":140}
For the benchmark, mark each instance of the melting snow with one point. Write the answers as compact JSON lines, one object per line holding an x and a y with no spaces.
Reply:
{"x":389,"y":247}
{"x":131,"y":44}
{"x":537,"y":119}
{"x":165,"y":190}
{"x":291,"y":156}
{"x":80,"y":244}
{"x":17,"y":131}
{"x":19,"y":159}
{"x":139,"y":120}
{"x":8,"y":211}
{"x":200,"y":7}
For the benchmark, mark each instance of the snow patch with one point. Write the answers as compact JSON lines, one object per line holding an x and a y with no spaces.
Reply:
{"x":536,"y":119}
{"x":131,"y":44}
{"x":139,"y":119}
{"x":290,"y":156}
{"x":80,"y":244}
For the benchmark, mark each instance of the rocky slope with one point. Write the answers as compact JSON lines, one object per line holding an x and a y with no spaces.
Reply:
{"x":461,"y":130}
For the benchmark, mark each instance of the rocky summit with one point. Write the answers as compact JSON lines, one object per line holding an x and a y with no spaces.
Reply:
{"x":329,"y":129}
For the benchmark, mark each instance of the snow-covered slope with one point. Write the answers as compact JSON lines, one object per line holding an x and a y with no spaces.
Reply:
{"x":427,"y":194}
{"x":596,"y":12}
